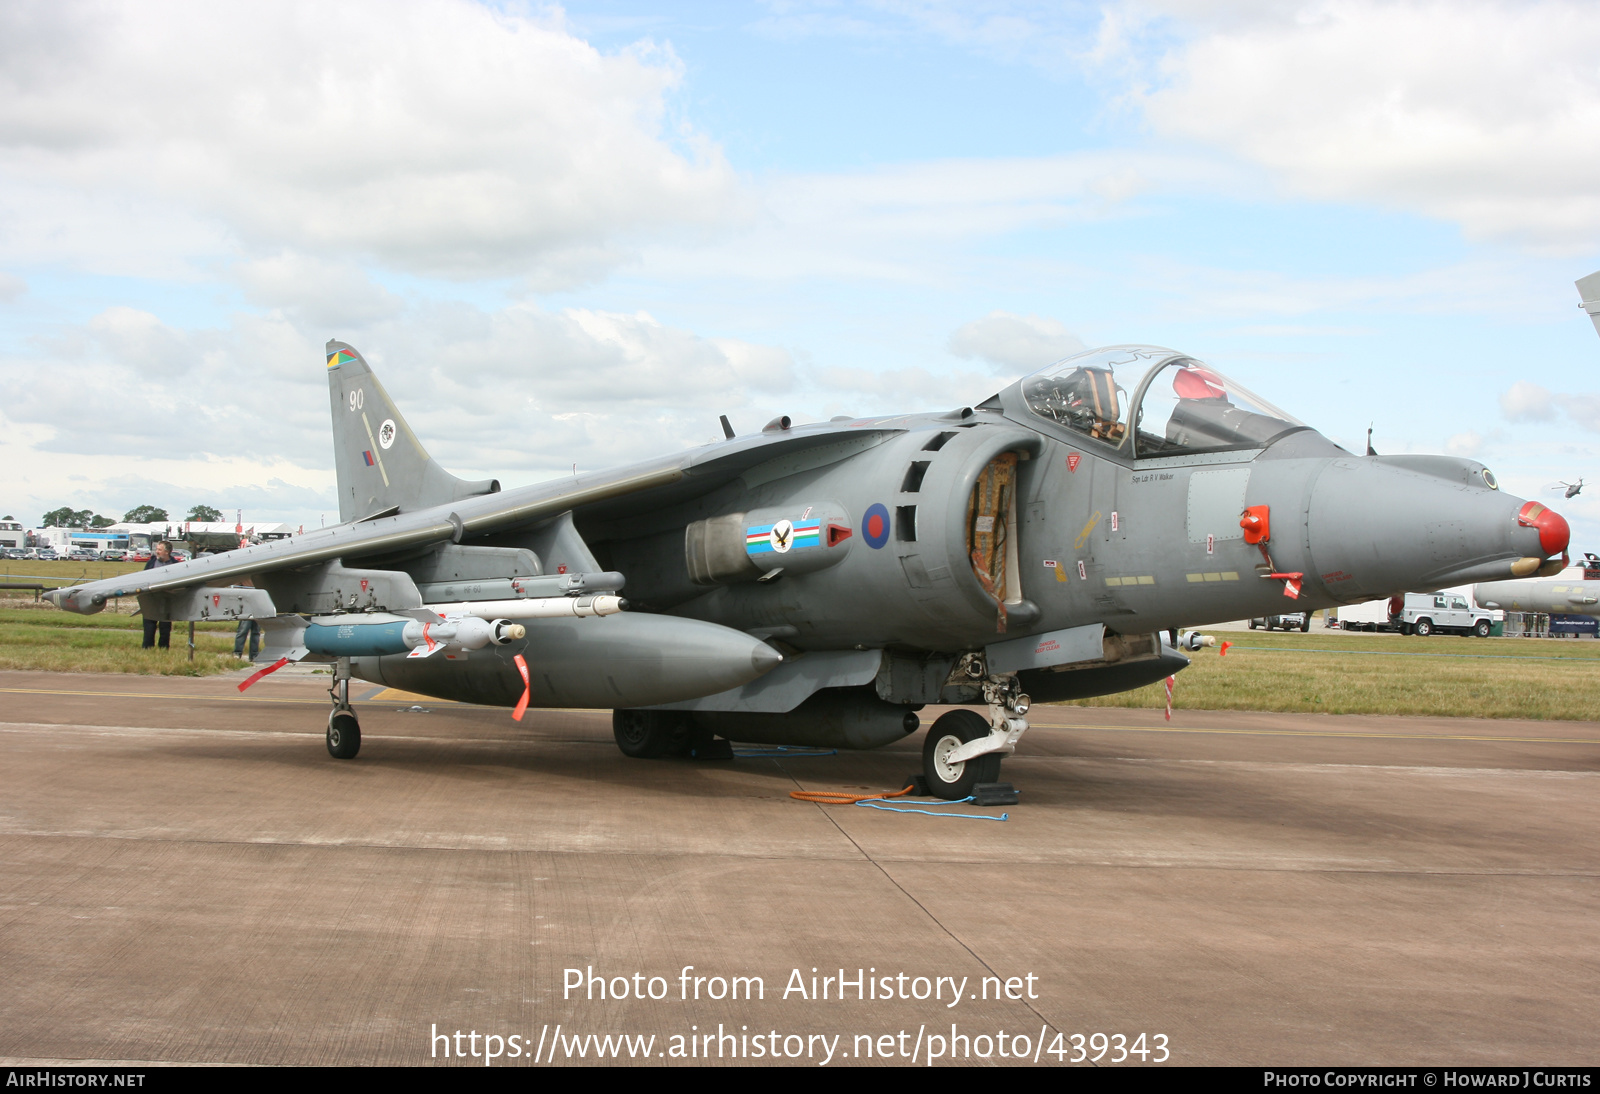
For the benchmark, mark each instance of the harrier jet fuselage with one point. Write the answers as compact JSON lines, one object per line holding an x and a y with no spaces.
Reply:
{"x":819,"y":584}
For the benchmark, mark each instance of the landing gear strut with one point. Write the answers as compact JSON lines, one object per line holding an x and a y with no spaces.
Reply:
{"x":344,"y":732}
{"x":961,"y":750}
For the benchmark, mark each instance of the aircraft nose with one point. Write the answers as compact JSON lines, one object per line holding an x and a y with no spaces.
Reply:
{"x":1378,"y":526}
{"x":1554,"y":532}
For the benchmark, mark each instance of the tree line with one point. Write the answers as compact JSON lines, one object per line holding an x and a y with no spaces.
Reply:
{"x":68,"y":517}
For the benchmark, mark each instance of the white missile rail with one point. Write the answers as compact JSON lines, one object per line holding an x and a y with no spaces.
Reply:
{"x":474,"y":624}
{"x":543,"y":607}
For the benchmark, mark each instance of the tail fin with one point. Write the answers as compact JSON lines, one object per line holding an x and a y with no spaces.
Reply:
{"x":1589,"y":292}
{"x":382,"y":468}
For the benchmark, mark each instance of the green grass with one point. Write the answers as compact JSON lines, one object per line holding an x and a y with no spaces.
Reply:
{"x":37,"y":636}
{"x":1322,"y":671}
{"x":60,"y":572}
{"x":1382,"y":674}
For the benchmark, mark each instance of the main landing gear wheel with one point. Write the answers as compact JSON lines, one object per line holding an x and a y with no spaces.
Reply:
{"x":953,"y":781}
{"x":650,"y":734}
{"x":344,"y":734}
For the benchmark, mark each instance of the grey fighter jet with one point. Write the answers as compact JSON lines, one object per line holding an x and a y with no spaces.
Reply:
{"x":1572,"y":593}
{"x":819,"y":584}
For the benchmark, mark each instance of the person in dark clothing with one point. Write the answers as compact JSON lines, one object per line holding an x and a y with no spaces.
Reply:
{"x":248,"y":628}
{"x":162,"y":557}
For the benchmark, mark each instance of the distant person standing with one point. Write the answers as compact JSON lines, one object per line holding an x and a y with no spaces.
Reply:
{"x":248,"y":628}
{"x":162,"y":557}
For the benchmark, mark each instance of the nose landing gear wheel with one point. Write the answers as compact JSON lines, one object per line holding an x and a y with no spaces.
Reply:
{"x":344,"y":735}
{"x":953,"y":781}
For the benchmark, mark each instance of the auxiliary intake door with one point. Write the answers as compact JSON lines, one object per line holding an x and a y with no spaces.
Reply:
{"x":992,"y":533}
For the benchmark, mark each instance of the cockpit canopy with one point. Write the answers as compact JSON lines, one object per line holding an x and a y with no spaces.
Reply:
{"x":1182,"y":405}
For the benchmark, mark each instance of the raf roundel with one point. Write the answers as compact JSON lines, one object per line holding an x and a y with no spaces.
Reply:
{"x":875,"y":526}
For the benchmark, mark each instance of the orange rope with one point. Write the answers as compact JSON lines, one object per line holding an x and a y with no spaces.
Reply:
{"x":831,"y":797}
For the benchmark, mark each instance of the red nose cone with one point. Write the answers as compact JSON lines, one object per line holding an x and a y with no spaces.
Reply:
{"x":1554,"y":534}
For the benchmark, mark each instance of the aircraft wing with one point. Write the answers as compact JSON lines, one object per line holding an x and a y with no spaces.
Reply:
{"x":638,"y":488}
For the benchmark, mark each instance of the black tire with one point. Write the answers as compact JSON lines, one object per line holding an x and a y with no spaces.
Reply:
{"x":953,"y":782}
{"x":1481,"y":628}
{"x":1252,"y":624}
{"x":344,"y":734}
{"x":650,"y":734}
{"x":1422,"y":628}
{"x":1305,"y":624}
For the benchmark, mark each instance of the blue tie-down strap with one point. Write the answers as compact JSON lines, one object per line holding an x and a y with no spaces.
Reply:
{"x":881,"y":803}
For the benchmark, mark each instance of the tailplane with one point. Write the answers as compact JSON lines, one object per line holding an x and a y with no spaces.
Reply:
{"x":382,"y":468}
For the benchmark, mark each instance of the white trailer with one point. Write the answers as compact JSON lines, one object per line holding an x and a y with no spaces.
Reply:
{"x":1371,"y":615}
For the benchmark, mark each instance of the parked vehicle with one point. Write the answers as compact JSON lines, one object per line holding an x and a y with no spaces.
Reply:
{"x":1439,"y":613}
{"x":1420,"y":614}
{"x":1293,"y":621}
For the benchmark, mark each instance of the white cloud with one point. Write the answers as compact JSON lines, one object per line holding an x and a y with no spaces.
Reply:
{"x":1526,"y":401}
{"x":898,"y":390}
{"x":440,"y":136}
{"x":1583,"y":409}
{"x":11,"y":287}
{"x":1017,"y":343}
{"x":520,"y":393}
{"x":1480,"y":112}
{"x":319,"y":292}
{"x":1467,"y":445}
{"x":905,"y":223}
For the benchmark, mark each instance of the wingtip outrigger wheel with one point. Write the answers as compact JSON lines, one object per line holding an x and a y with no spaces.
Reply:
{"x":344,"y":732}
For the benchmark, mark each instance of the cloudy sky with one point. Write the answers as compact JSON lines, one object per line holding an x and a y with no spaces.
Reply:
{"x":575,"y":235}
